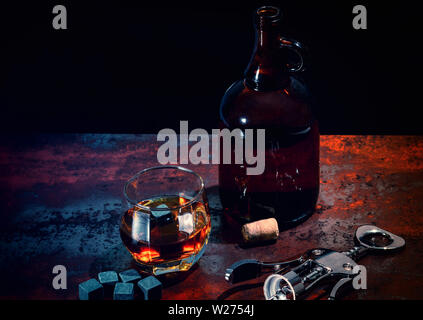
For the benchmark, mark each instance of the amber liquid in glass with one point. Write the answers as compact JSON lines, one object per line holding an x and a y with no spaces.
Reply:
{"x":162,"y":237}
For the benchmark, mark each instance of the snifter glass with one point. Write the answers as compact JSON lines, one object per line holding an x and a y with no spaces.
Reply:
{"x":166,"y":225}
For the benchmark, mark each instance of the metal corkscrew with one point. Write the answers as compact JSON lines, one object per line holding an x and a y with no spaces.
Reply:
{"x":295,"y":279}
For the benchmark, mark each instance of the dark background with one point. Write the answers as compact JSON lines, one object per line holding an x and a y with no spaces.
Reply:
{"x":141,"y":67}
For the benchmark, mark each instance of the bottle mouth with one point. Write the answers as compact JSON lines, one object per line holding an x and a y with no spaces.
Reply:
{"x":268,"y":12}
{"x":267,"y":16}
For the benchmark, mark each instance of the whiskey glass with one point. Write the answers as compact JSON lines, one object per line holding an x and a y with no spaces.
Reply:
{"x":166,"y":224}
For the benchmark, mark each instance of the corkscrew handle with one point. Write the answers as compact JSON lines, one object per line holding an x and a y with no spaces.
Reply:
{"x":300,"y":51}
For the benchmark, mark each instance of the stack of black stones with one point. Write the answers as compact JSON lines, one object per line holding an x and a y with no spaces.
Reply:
{"x":131,"y":286}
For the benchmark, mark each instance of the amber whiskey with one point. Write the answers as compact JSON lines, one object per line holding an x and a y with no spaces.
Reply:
{"x":163,"y":239}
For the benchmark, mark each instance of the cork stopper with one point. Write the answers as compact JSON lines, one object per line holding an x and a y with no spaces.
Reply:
{"x":260,"y":231}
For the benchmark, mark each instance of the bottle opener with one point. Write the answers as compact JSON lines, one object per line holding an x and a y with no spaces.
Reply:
{"x":295,"y":279}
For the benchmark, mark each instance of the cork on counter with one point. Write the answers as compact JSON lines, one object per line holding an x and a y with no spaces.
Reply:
{"x":260,"y":231}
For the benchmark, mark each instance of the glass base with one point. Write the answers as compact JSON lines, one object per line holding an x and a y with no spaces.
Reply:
{"x":172,"y":266}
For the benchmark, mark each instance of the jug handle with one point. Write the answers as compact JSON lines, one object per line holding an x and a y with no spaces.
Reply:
{"x":299,"y":49}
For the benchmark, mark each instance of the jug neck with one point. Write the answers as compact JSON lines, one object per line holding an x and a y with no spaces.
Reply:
{"x":266,"y":70}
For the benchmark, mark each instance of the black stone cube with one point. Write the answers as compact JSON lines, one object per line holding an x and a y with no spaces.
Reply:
{"x":162,"y":217}
{"x":108,"y":279}
{"x":151,"y":288}
{"x":90,"y":290}
{"x":123,"y":291}
{"x":130,"y":275}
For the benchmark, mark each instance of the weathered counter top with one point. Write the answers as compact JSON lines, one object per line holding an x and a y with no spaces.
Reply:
{"x":60,"y":202}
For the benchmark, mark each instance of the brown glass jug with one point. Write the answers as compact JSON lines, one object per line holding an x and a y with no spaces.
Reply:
{"x":273,"y":98}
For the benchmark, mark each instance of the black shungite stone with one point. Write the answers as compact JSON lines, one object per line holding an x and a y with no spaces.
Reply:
{"x":123,"y":291}
{"x":151,"y":288}
{"x":108,"y":279}
{"x":130,"y":275}
{"x":90,"y":290}
{"x":162,"y":217}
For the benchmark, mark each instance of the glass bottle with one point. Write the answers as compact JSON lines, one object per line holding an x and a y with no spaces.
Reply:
{"x":273,"y":98}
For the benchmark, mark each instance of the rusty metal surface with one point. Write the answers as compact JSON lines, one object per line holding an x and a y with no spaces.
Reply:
{"x":61,"y":202}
